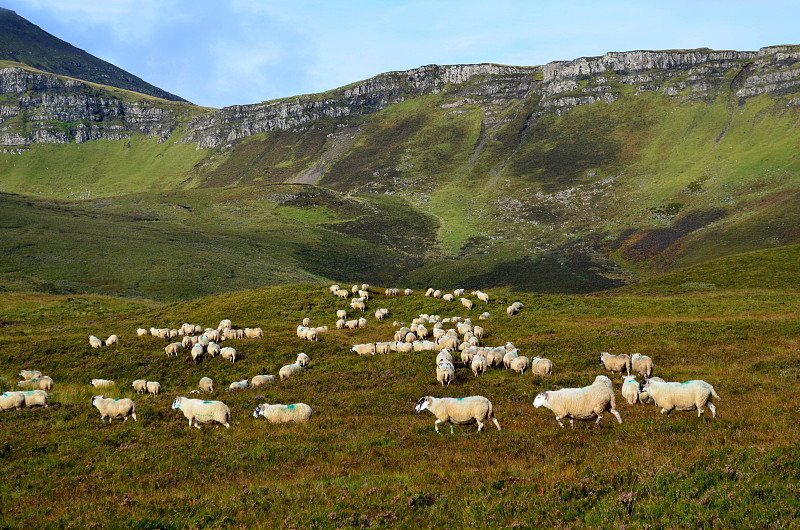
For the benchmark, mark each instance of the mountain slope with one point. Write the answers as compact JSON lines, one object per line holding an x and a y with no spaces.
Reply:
{"x":27,"y":43}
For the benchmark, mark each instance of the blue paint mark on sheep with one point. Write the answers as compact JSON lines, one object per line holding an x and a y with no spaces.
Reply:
{"x":290,"y":407}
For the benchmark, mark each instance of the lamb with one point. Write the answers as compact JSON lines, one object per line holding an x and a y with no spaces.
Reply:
{"x":690,"y":395}
{"x":479,"y":364}
{"x":466,"y":302}
{"x":303,"y":359}
{"x":579,"y":403}
{"x":199,"y":411}
{"x":630,"y":389}
{"x":364,"y":349}
{"x":114,"y":408}
{"x":541,"y":366}
{"x":153,"y":388}
{"x":173,"y":348}
{"x":616,"y":363}
{"x":113,"y":339}
{"x":28,"y":375}
{"x":461,"y":411}
{"x":254,"y":333}
{"x":12,"y":400}
{"x":94,"y":342}
{"x":642,"y":364}
{"x":520,"y":364}
{"x":206,"y":384}
{"x":228,"y":353}
{"x":644,"y":397}
{"x":102,"y":383}
{"x":261,"y":380}
{"x":289,"y":370}
{"x":445,"y":372}
{"x":296,"y":412}
{"x":140,"y":385}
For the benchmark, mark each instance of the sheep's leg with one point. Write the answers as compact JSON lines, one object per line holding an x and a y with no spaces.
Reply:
{"x":599,"y":417}
{"x":436,"y":425}
{"x":559,"y":422}
{"x":699,"y":409}
{"x":451,"y":427}
{"x":572,"y":423}
{"x":480,"y":425}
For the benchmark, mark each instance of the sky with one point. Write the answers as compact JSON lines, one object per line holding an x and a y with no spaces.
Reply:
{"x":218,"y":53}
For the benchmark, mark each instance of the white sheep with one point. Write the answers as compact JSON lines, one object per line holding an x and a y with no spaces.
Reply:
{"x":467,"y":354}
{"x":306,"y":322}
{"x":494,"y":356}
{"x":40,"y":383}
{"x":112,"y":339}
{"x":94,"y":342}
{"x":616,"y":363}
{"x":199,"y":411}
{"x":520,"y":364}
{"x":197,"y":352}
{"x":364,"y":349}
{"x":365,"y":287}
{"x":466,"y":302}
{"x":140,"y":385}
{"x":358,"y":304}
{"x":354,"y":289}
{"x":642,"y":364}
{"x":511,"y":310}
{"x":342,"y":293}
{"x":508,"y":357}
{"x":383,"y":347}
{"x":114,"y":408}
{"x":141,"y":332}
{"x":690,"y":395}
{"x":363,"y":294}
{"x":173,"y":348}
{"x":333,"y":288}
{"x":341,"y":313}
{"x":362,"y":322}
{"x":458,"y":411}
{"x":12,"y":400}
{"x":630,"y":389}
{"x":458,"y":292}
{"x":447,"y":297}
{"x":239,"y":385}
{"x":352,"y":324}
{"x":213,"y":349}
{"x":28,"y":375}
{"x":153,"y":388}
{"x":296,"y":412}
{"x":33,"y":398}
{"x":206,"y":384}
{"x":102,"y":383}
{"x":479,"y":365}
{"x":289,"y":370}
{"x":303,"y":359}
{"x":228,"y":353}
{"x":341,"y":323}
{"x":541,"y":366}
{"x":408,"y":292}
{"x":261,"y":380}
{"x":224,"y":324}
{"x":483,"y":297}
{"x":429,"y":292}
{"x":644,"y":397}
{"x":445,"y":372}
{"x":254,"y":333}
{"x":484,"y":316}
{"x":579,"y":403}
{"x":444,"y":355}
{"x":517,"y":305}
{"x":404,"y":347}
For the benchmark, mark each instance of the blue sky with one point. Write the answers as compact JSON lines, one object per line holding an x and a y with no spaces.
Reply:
{"x":221,"y":53}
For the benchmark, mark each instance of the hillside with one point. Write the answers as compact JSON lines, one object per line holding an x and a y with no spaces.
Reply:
{"x":574,"y":176}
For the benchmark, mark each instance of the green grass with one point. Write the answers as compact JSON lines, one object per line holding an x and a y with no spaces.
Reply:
{"x":366,"y":458}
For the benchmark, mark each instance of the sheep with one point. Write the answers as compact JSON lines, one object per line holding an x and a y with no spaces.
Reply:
{"x":644,"y":397}
{"x":199,"y":411}
{"x":342,"y":293}
{"x":642,"y":364}
{"x":153,"y":388}
{"x":517,"y":305}
{"x":511,"y":310}
{"x":541,"y":366}
{"x":12,"y":400}
{"x":213,"y":349}
{"x":362,"y":322}
{"x":358,"y":304}
{"x":690,"y":395}
{"x":508,"y":357}
{"x":579,"y":403}
{"x":239,"y":385}
{"x":94,"y":342}
{"x":467,"y":354}
{"x":321,"y":329}
{"x":33,"y":398}
{"x":206,"y":384}
{"x":630,"y":389}
{"x":102,"y":383}
{"x":363,"y":294}
{"x":448,"y":342}
{"x":341,"y":323}
{"x":141,"y":332}
{"x":444,"y":355}
{"x":383,"y":347}
{"x":296,"y":412}
{"x":408,"y":292}
{"x":365,"y":287}
{"x":254,"y":333}
{"x":352,"y":324}
{"x":479,"y":364}
{"x":458,"y":292}
{"x":289,"y":370}
{"x":261,"y":380}
{"x":483,"y":297}
{"x":228,"y":353}
{"x":461,"y":411}
{"x":494,"y":356}
{"x":140,"y":385}
{"x":224,"y":324}
{"x":306,"y":322}
{"x":447,"y":297}
{"x":354,"y":289}
{"x":466,"y":302}
{"x":203,"y":341}
{"x":197,"y":352}
{"x":188,"y":342}
{"x":364,"y":349}
{"x":616,"y":363}
{"x":112,"y":339}
{"x":520,"y":364}
{"x":445,"y":372}
{"x":311,"y":334}
{"x":404,"y":347}
{"x":114,"y":408}
{"x":478,"y":331}
{"x":173,"y":348}
{"x":484,"y":316}
{"x":429,"y":292}
{"x":303,"y":359}
{"x":381,"y":313}
{"x":333,"y":288}
{"x":229,"y":334}
{"x":27,"y":375}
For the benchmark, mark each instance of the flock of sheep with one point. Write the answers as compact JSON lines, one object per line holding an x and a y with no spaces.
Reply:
{"x":585,"y":403}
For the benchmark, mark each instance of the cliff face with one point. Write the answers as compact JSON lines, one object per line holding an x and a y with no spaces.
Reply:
{"x":44,"y":108}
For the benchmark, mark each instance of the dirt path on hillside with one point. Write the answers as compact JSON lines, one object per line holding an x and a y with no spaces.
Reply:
{"x":341,"y":141}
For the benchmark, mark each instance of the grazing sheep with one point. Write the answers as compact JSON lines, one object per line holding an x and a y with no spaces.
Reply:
{"x":206,"y":384}
{"x":289,"y":370}
{"x":228,"y":353}
{"x":466,"y":302}
{"x":508,"y":357}
{"x":445,"y":372}
{"x":261,"y":380}
{"x":642,"y":364}
{"x":354,"y":289}
{"x":341,"y":323}
{"x":690,"y":395}
{"x":364,"y":349}
{"x":365,"y":287}
{"x":254,"y":333}
{"x":342,"y":293}
{"x":444,"y":355}
{"x":511,"y":310}
{"x":541,"y":366}
{"x":12,"y":400}
{"x":113,"y":339}
{"x":616,"y":363}
{"x":458,"y":411}
{"x":408,"y":292}
{"x":153,"y":388}
{"x":333,"y":288}
{"x":484,"y":316}
{"x":479,"y":365}
{"x":114,"y":408}
{"x":458,"y":292}
{"x":447,"y":297}
{"x":224,"y":324}
{"x":239,"y":385}
{"x":630,"y":389}
{"x":303,"y":359}
{"x":102,"y":383}
{"x":517,"y":305}
{"x":306,"y":322}
{"x":352,"y":324}
{"x":448,"y":342}
{"x":363,"y":294}
{"x":404,"y":347}
{"x":140,"y":385}
{"x":362,"y":322}
{"x":478,"y":331}
{"x":199,"y":411}
{"x":141,"y":332}
{"x":483,"y":297}
{"x":296,"y":412}
{"x":644,"y":397}
{"x":213,"y":349}
{"x":383,"y":347}
{"x":520,"y":364}
{"x":579,"y":403}
{"x":381,"y":313}
{"x":188,"y":342}
{"x":173,"y":348}
{"x":358,"y":304}
{"x":28,"y":375}
{"x":341,"y":313}
{"x":429,"y":292}
{"x":94,"y":342}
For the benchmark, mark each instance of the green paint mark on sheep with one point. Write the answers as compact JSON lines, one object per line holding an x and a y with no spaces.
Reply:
{"x":289,"y":407}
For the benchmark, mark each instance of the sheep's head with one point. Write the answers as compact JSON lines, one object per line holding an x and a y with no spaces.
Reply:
{"x":177,"y":403}
{"x":95,"y":398}
{"x":539,"y":400}
{"x":602,"y":355}
{"x":257,"y":411}
{"x":423,"y":403}
{"x":643,"y":385}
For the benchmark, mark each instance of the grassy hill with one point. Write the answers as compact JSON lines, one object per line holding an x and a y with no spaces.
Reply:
{"x":366,"y":458}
